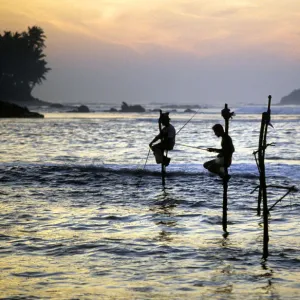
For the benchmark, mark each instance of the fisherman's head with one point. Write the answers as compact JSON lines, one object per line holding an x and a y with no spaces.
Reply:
{"x":218,"y":130}
{"x":165,"y":119}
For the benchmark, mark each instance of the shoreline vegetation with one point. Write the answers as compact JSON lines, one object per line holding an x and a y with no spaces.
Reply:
{"x":22,"y":67}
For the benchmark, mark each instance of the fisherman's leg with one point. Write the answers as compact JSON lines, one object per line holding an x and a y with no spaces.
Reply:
{"x":212,"y":166}
{"x":156,"y":146}
{"x":166,"y":159}
{"x":207,"y":164}
{"x":164,"y":146}
{"x":158,"y":153}
{"x":220,"y":167}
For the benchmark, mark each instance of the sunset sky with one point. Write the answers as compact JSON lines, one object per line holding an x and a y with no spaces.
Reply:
{"x":181,"y":51}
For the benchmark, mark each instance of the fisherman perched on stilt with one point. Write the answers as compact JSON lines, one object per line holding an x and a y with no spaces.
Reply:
{"x":224,"y":154}
{"x":167,"y":136}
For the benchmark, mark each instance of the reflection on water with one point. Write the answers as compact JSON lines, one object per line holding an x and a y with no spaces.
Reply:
{"x":269,"y":289}
{"x":164,"y":215}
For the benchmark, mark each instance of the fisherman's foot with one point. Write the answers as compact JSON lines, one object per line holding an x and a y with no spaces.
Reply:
{"x":166,"y":161}
{"x":226,"y":177}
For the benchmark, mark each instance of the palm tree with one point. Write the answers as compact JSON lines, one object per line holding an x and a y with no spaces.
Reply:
{"x":22,"y":61}
{"x":36,"y":37}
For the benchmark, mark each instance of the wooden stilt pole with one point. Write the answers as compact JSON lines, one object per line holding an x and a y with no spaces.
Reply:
{"x":225,"y":188}
{"x":226,"y":114}
{"x":163,"y":167}
{"x":163,"y":174}
{"x":260,"y":162}
{"x":262,"y":195}
{"x":267,"y":118}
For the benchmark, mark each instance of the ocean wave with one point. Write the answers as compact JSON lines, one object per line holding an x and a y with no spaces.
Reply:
{"x":81,"y":174}
{"x":276,"y":110}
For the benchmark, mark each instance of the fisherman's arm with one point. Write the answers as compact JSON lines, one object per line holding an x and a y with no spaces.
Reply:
{"x":158,"y":137}
{"x":214,"y":150}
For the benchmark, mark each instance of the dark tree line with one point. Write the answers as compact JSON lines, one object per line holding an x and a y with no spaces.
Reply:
{"x":22,"y":63}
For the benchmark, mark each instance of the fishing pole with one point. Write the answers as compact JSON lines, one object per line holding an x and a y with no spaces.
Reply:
{"x":138,"y":183}
{"x":146,"y":159}
{"x":200,"y":148}
{"x":188,"y":121}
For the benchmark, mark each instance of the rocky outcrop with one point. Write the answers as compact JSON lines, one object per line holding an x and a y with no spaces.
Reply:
{"x":56,"y":105}
{"x":11,"y":110}
{"x":292,"y":98}
{"x":188,"y":110}
{"x":81,"y":109}
{"x":132,"y":108}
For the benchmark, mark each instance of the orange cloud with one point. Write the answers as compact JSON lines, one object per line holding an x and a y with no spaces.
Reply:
{"x":203,"y":28}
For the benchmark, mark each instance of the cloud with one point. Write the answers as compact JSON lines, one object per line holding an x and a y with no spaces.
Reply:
{"x":199,"y":28}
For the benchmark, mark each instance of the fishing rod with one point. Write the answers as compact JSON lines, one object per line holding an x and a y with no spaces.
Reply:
{"x":138,"y":183}
{"x":188,"y":121}
{"x":200,"y":148}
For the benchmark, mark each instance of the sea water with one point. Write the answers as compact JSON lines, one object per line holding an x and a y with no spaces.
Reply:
{"x":84,"y":214}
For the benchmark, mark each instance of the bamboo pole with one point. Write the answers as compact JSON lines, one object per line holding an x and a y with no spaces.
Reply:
{"x":260,"y":161}
{"x":163,"y":167}
{"x":267,"y":117}
{"x":262,"y":195}
{"x":226,"y":114}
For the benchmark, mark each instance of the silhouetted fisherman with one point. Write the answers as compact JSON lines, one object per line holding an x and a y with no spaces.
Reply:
{"x":167,"y":137}
{"x":225,"y":153}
